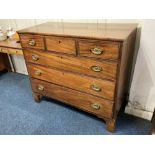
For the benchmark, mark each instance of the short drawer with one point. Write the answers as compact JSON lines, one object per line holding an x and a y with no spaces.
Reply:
{"x":61,"y":45}
{"x":97,"y":49}
{"x":32,"y":41}
{"x":77,"y":99}
{"x":98,"y":87}
{"x":99,"y":69}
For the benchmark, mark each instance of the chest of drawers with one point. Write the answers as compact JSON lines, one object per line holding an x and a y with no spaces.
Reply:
{"x":83,"y":65}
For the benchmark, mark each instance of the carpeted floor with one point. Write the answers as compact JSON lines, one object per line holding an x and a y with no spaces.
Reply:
{"x":20,"y":115}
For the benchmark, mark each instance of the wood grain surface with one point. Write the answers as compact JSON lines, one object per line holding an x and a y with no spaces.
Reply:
{"x":101,"y":31}
{"x":9,"y":50}
{"x":11,"y":43}
{"x":110,"y":49}
{"x":74,"y":98}
{"x":39,"y":42}
{"x":73,"y":64}
{"x":73,"y":81}
{"x":60,"y":44}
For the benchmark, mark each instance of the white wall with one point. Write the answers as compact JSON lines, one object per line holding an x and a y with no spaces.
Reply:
{"x":142,"y":93}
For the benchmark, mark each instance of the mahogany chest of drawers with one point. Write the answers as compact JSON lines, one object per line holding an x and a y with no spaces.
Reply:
{"x":83,"y":65}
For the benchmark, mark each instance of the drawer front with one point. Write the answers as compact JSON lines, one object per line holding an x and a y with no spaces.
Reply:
{"x":61,"y":45}
{"x":80,"y":100}
{"x":32,"y":41}
{"x":100,"y":69}
{"x":96,"y":49}
{"x":11,"y":51}
{"x":98,"y":87}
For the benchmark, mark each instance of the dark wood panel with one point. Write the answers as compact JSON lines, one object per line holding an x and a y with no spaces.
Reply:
{"x":124,"y":71}
{"x":102,"y":88}
{"x":61,"y":45}
{"x":103,"y":69}
{"x":83,"y":101}
{"x":101,"y":50}
{"x":2,"y":66}
{"x":4,"y":62}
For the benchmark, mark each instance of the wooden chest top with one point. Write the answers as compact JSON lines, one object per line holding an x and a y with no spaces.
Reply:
{"x":102,"y":31}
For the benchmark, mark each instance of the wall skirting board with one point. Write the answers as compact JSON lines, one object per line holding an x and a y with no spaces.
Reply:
{"x":139,"y":112}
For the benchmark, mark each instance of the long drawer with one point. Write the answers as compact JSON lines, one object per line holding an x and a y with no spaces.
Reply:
{"x":83,"y":101}
{"x":98,"y":87}
{"x":99,"y":69}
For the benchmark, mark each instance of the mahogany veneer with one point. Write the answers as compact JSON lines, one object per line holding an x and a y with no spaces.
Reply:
{"x":83,"y":65}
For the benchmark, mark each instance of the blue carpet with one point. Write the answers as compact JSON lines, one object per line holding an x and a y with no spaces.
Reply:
{"x":20,"y":115}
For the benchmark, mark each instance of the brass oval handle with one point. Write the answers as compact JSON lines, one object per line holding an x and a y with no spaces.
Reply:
{"x":35,"y":57}
{"x":96,"y":68}
{"x":37,"y":72}
{"x":96,"y":50}
{"x":95,"y":87}
{"x":40,"y":87}
{"x":32,"y":42}
{"x":95,"y":106}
